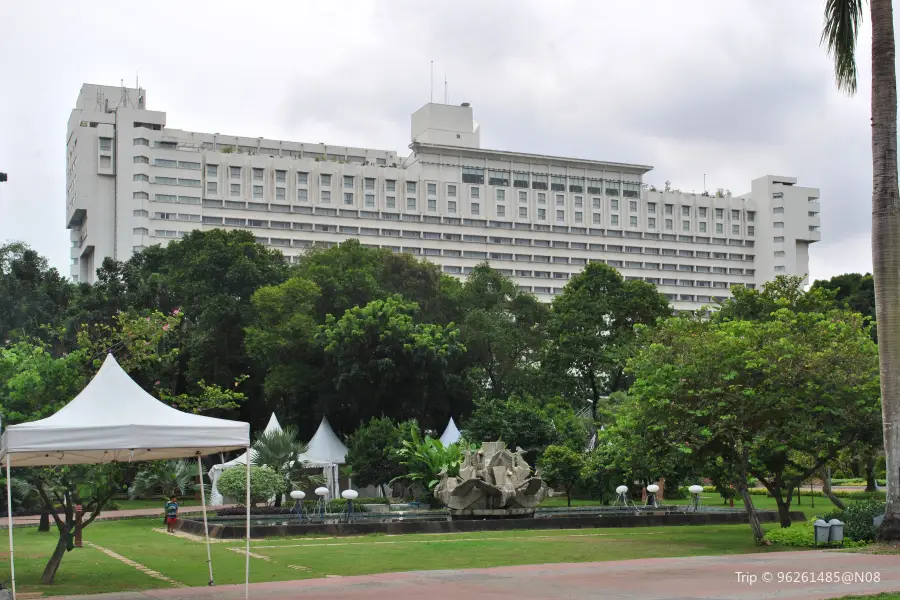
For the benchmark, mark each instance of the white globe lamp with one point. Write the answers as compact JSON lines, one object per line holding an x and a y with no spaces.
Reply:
{"x":621,"y":489}
{"x":298,"y":495}
{"x":349,"y":494}
{"x":696,"y":489}
{"x":652,"y":488}
{"x":321,"y":491}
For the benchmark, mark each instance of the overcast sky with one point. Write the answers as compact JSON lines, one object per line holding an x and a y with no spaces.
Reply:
{"x":734,"y":89}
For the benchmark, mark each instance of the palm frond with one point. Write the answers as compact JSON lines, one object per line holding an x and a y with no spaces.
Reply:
{"x":840,"y":33}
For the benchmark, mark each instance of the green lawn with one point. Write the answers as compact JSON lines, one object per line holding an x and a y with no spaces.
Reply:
{"x":87,"y":570}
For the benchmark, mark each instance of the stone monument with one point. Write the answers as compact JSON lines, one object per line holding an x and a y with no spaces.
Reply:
{"x":493,"y":482}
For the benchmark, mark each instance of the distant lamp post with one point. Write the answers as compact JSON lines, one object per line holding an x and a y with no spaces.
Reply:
{"x":651,"y":497}
{"x":321,"y":492}
{"x":349,"y":496}
{"x":695,"y":491}
{"x":298,"y":496}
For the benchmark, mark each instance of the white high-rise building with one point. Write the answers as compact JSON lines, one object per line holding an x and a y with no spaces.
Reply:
{"x":133,"y":182}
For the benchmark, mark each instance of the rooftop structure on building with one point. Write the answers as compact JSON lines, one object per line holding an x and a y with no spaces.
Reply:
{"x":132,"y":182}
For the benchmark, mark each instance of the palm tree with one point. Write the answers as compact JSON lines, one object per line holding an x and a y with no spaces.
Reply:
{"x":281,"y":452}
{"x":840,"y":32}
{"x":164,"y":478}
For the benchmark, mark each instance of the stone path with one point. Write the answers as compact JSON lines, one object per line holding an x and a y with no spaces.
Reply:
{"x":688,"y":578}
{"x":143,"y":569}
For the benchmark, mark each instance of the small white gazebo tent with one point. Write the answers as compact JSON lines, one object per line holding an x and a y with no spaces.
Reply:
{"x":451,"y":434}
{"x":114,"y":420}
{"x":326,"y":451}
{"x":215,"y":498}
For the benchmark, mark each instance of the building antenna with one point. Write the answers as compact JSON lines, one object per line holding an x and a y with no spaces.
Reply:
{"x":124,"y":101}
{"x":704,"y":182}
{"x":432,"y":82}
{"x":446,"y":99}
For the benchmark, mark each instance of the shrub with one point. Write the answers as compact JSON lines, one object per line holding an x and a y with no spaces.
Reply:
{"x":857,"y":518}
{"x":333,"y":506}
{"x":708,"y":489}
{"x":802,"y":535}
{"x":264,"y":484}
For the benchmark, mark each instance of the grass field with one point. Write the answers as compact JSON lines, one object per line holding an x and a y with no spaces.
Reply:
{"x":89,"y":570}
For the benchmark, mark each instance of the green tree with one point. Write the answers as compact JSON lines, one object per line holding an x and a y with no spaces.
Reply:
{"x":592,"y":332}
{"x":423,"y":459}
{"x":265,"y":484}
{"x":785,"y":291}
{"x":372,"y":451}
{"x":518,"y":421}
{"x":840,"y":32}
{"x":164,"y":479}
{"x":562,"y":466}
{"x":503,"y":330}
{"x":775,"y":400}
{"x":379,"y":361}
{"x":852,"y":291}
{"x":281,"y":452}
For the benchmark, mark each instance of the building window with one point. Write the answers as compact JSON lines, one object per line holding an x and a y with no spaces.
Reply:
{"x":432,"y":205}
{"x":235,"y":172}
{"x":542,"y":198}
{"x":432,"y":189}
{"x":348,"y":198}
{"x":325,"y":197}
{"x":390,"y":202}
{"x":257,"y":192}
{"x":501,"y":195}
{"x":670,"y":209}
{"x":685,"y":225}
{"x":596,"y":203}
{"x":369,"y":183}
{"x":472,"y":175}
{"x":348,"y":181}
{"x":212,"y":187}
{"x":702,"y":226}
{"x":212,"y":171}
{"x":560,"y":200}
{"x":523,"y":196}
{"x":302,"y":178}
{"x":778,"y":225}
{"x":410,"y":187}
{"x":370,"y":200}
{"x":779,"y":269}
{"x":751,"y":216}
{"x":302,"y":195}
{"x":235,"y":189}
{"x":141,"y":142}
{"x":651,"y":208}
{"x":598,"y":219}
{"x":140,"y":177}
{"x":632,"y":206}
{"x":735,"y":215}
{"x":669,"y":224}
{"x":451,"y":207}
{"x":579,"y":202}
{"x":736,"y":229}
{"x":258,"y":174}
{"x":614,"y":220}
{"x":325,"y":179}
{"x":751,"y":230}
{"x":542,"y":214}
{"x":142,"y":160}
{"x":476,"y":208}
{"x":140,"y":196}
{"x":779,"y":253}
{"x":451,"y":190}
{"x":105,"y":144}
{"x":632,"y":221}
{"x":579,"y":216}
{"x":614,"y":204}
{"x":702,"y":212}
{"x":719,"y":228}
{"x":651,"y":223}
{"x":501,"y":211}
{"x":475,"y":192}
{"x":390,"y":185}
{"x":279,"y":194}
{"x":560,"y":216}
{"x":720,"y":213}
{"x":523,"y":212}
{"x":410,"y":204}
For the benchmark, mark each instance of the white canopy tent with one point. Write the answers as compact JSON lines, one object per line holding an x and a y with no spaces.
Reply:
{"x":451,"y":434}
{"x":216,"y":498}
{"x":326,"y":451}
{"x":114,"y":420}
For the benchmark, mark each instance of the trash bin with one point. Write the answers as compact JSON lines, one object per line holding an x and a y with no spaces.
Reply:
{"x":822,"y":530}
{"x":836,"y":531}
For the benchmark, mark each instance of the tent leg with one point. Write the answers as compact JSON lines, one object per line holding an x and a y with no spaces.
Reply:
{"x":12,"y":561}
{"x":247,"y":563}
{"x":205,"y":524}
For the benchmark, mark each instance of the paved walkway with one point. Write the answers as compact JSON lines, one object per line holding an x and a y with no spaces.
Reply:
{"x":690,"y":578}
{"x":114,"y":515}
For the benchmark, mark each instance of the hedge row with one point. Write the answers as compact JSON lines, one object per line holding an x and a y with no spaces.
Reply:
{"x":333,"y":506}
{"x":817,"y":493}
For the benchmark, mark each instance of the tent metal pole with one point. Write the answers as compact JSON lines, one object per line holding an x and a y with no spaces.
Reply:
{"x":205,"y":524}
{"x":247,"y":563}
{"x":12,"y":560}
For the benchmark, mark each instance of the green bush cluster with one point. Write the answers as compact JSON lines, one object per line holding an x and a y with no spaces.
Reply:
{"x":854,"y":481}
{"x":708,"y":489}
{"x":802,"y":535}
{"x":857,"y":518}
{"x":264,"y":484}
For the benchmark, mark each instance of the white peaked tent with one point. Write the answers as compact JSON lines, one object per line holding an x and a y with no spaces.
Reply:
{"x":451,"y":434}
{"x":216,"y":498}
{"x":326,"y":451}
{"x":114,"y":420}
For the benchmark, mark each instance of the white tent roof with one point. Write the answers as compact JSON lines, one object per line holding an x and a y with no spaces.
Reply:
{"x":451,"y":434}
{"x":325,"y":448}
{"x":113,"y":419}
{"x":273,"y":425}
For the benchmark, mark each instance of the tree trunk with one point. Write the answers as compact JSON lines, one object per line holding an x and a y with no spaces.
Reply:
{"x":871,"y":484}
{"x":752,"y":516}
{"x":568,"y":498}
{"x":387,"y":494}
{"x":886,"y":248}
{"x":826,"y":489}
{"x":53,"y":564}
{"x":784,"y":508}
{"x":44,"y":524}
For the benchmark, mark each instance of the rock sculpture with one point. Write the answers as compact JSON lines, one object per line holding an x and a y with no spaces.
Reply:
{"x":492,"y":482}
